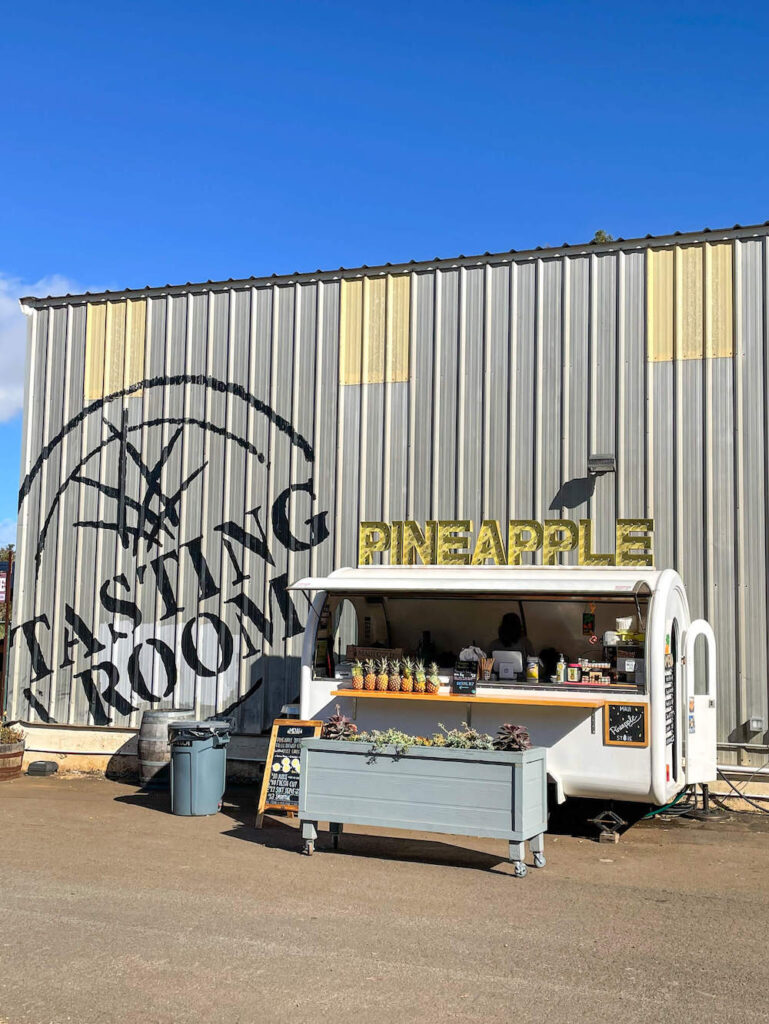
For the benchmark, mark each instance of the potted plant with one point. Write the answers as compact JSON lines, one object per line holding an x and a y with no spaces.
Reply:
{"x":11,"y":750}
{"x":459,"y":782}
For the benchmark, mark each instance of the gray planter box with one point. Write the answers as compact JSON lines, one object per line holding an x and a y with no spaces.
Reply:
{"x":498,"y":794}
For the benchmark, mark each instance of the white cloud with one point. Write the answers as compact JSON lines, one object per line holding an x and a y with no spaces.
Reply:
{"x":7,"y":532}
{"x":13,"y":336}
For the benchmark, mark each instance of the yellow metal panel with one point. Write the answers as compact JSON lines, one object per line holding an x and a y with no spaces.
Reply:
{"x":688,"y":296}
{"x":93,"y":384}
{"x":374,"y":312}
{"x":136,"y":329}
{"x":374,"y":330}
{"x":350,"y":332}
{"x":659,"y":304}
{"x":689,"y":302}
{"x":398,"y":311}
{"x":719,"y":284}
{"x":114,"y":347}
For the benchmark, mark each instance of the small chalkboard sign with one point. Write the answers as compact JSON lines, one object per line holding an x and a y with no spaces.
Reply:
{"x":625,"y":725}
{"x":465,"y":678}
{"x":280,"y":785}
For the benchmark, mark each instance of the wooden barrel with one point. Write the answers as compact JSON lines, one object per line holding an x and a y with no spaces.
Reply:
{"x":154,"y":752}
{"x":11,"y":757}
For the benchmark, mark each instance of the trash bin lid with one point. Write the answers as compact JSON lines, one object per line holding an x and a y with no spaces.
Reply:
{"x":185,"y":725}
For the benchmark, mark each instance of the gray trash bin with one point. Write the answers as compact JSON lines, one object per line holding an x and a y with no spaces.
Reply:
{"x":198,"y":765}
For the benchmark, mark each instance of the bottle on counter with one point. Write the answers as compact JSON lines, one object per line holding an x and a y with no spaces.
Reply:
{"x":532,"y":668}
{"x":560,"y":669}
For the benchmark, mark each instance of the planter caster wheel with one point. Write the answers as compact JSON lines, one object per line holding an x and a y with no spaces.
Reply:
{"x":519,"y":869}
{"x":309,"y":847}
{"x":539,"y":860}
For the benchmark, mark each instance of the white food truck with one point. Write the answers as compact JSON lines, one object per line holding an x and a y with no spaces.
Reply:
{"x":634,"y":718}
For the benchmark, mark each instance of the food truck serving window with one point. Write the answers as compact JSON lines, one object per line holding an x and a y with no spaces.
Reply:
{"x":603,"y":634}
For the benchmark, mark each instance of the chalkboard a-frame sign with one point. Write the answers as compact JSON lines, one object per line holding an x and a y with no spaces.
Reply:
{"x":626,"y":725}
{"x":280,"y":785}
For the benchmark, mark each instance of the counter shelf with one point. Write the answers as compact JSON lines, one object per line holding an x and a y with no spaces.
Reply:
{"x":532,"y":699}
{"x":583,"y":704}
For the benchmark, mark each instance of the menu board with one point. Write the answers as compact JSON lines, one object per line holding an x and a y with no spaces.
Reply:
{"x":462,"y":685}
{"x":625,"y":725}
{"x":280,"y":785}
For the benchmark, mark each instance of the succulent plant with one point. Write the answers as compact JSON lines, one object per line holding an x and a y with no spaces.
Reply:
{"x":380,"y":739}
{"x":10,"y":732}
{"x":512,"y":737}
{"x":465,"y":738}
{"x":339,"y":727}
{"x":509,"y":737}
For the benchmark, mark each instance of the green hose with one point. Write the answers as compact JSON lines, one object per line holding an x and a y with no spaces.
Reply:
{"x":661,"y":810}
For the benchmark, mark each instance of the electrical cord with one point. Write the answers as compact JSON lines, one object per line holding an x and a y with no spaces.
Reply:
{"x":756,"y":772}
{"x":672,"y":809}
{"x":726,"y":807}
{"x":740,"y":793}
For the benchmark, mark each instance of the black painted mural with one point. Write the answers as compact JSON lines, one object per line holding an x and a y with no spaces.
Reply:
{"x":191,"y":526}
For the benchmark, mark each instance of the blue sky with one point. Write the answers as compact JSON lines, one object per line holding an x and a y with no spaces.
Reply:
{"x":148,"y":143}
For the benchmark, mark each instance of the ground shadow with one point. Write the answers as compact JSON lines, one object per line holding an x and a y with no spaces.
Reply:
{"x":123,"y":765}
{"x":574,"y":817}
{"x":150,"y":799}
{"x":239,"y":802}
{"x":280,"y":835}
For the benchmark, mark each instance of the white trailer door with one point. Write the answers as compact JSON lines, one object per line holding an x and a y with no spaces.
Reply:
{"x":699,"y":720}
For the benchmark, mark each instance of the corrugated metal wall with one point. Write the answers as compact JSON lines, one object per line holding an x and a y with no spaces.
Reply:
{"x":170,"y":441}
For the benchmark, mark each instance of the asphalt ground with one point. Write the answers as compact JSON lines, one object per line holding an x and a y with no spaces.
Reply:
{"x":113,"y":910}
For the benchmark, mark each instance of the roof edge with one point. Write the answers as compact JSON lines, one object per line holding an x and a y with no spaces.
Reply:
{"x":30,"y":302}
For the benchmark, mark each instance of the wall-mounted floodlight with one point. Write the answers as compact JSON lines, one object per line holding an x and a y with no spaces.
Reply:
{"x":597,"y":465}
{"x":755,"y":725}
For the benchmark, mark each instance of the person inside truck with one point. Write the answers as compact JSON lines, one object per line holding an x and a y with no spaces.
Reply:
{"x":511,"y":637}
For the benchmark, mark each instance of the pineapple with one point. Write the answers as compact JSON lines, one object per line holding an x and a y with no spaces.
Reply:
{"x":420,"y":680}
{"x":433,"y":682}
{"x":382,"y":678}
{"x":369,"y":681}
{"x":407,"y":677}
{"x":357,"y":676}
{"x":394,"y":684}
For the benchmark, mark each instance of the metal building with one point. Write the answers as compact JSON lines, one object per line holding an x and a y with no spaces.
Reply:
{"x":189,"y":450}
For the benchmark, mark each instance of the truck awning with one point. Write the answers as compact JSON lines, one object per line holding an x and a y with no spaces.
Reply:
{"x":484,"y":579}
